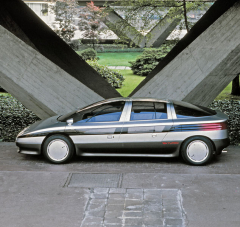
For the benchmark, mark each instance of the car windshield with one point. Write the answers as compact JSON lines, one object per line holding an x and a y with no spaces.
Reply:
{"x":67,"y":116}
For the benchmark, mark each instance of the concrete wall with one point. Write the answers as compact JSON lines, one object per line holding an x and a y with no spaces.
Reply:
{"x":36,"y":82}
{"x":19,"y":19}
{"x":203,"y":63}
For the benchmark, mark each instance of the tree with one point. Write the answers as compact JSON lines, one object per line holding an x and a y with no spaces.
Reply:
{"x":91,"y":22}
{"x":235,"y":86}
{"x":147,"y":11}
{"x":65,"y":12}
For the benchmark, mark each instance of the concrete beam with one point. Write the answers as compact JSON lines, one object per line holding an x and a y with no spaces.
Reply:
{"x":39,"y":84}
{"x":122,"y":28}
{"x":19,"y":19}
{"x":156,"y":37}
{"x":159,"y":33}
{"x":203,"y":63}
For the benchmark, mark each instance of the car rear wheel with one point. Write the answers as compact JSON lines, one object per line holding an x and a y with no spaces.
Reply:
{"x":197,"y":151}
{"x":58,"y":149}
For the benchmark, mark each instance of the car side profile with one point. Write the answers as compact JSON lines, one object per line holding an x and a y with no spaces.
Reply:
{"x":137,"y":127}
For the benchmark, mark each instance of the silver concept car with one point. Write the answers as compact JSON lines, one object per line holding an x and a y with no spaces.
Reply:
{"x":138,"y":127}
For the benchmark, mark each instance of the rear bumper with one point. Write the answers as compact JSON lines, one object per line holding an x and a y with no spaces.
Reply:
{"x":221,"y":144}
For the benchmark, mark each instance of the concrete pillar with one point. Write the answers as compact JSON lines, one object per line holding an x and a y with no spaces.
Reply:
{"x":19,"y":19}
{"x":156,"y":37}
{"x":203,"y":62}
{"x":159,"y":33}
{"x":122,"y":28}
{"x":39,"y":84}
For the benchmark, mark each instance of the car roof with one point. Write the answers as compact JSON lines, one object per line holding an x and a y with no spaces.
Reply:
{"x":135,"y":99}
{"x":123,"y":99}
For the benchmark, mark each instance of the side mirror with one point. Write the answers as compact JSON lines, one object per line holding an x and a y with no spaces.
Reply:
{"x":70,"y":121}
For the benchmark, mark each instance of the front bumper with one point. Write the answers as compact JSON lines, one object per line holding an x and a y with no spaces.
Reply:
{"x":30,"y":145}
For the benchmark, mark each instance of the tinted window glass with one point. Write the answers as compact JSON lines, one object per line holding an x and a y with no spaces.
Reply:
{"x":161,"y":110}
{"x":148,"y":111}
{"x":102,"y":113}
{"x":186,"y":110}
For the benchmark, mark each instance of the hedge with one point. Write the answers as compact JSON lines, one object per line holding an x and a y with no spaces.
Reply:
{"x":149,"y":59}
{"x":113,"y":77}
{"x":14,"y":117}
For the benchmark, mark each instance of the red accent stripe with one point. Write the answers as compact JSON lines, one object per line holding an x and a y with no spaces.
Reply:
{"x":214,"y":126}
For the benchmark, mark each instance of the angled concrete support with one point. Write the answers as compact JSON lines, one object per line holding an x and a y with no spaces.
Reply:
{"x":159,"y":33}
{"x":156,"y":37}
{"x":203,"y":63}
{"x":38,"y":83}
{"x":19,"y":19}
{"x":122,"y":28}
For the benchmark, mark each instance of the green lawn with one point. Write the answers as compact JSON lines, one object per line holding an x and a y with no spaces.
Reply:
{"x":131,"y":81}
{"x":117,"y":59}
{"x":226,"y":94}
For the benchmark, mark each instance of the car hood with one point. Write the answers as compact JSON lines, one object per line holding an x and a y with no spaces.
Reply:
{"x":43,"y":125}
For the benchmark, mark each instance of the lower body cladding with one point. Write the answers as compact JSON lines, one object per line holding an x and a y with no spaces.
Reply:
{"x":168,"y":145}
{"x":112,"y":145}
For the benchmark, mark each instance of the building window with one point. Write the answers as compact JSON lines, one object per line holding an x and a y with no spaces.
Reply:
{"x":44,"y":9}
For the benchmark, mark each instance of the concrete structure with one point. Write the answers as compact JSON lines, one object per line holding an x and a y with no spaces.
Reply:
{"x":19,"y":19}
{"x":36,"y":82}
{"x":156,"y":37}
{"x":203,"y":63}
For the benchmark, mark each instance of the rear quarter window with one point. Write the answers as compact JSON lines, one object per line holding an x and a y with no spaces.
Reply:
{"x":187,"y":110}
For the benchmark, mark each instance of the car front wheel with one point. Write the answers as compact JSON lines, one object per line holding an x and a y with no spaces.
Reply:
{"x":58,"y":149}
{"x":197,"y":151}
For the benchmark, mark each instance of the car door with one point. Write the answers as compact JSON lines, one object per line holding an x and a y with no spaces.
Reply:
{"x":98,"y":127}
{"x":146,"y":126}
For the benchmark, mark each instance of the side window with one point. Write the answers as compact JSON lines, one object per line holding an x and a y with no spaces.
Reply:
{"x":102,"y":113}
{"x":148,"y":111}
{"x":186,"y":112}
{"x":161,"y":110}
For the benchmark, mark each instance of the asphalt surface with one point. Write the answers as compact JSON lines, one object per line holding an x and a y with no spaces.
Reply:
{"x":118,"y":191}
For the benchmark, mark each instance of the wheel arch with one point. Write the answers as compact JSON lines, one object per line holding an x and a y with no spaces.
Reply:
{"x":180,"y":149}
{"x":59,"y":133}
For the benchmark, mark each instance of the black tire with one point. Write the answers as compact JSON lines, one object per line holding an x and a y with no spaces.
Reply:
{"x":197,"y":151}
{"x":58,"y":149}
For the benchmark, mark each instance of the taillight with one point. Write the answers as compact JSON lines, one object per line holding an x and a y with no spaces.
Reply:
{"x":214,"y":126}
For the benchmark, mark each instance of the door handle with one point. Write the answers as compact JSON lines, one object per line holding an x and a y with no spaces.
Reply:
{"x":154,"y":135}
{"x":110,"y":137}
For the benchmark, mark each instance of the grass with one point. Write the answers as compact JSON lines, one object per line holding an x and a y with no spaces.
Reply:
{"x":130,"y":83}
{"x":226,"y":94}
{"x":117,"y":59}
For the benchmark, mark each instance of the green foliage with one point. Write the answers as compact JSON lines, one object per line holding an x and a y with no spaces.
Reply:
{"x":130,"y":83}
{"x":232,"y":109}
{"x":13,"y":118}
{"x":113,"y":77}
{"x":88,"y":54}
{"x":148,"y":60}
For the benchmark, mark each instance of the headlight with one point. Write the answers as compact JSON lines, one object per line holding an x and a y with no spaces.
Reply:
{"x":22,"y":132}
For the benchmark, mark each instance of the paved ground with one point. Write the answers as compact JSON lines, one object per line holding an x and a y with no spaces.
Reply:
{"x":118,"y":191}
{"x":119,"y":67}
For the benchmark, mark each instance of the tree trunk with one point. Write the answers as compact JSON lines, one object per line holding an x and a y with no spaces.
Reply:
{"x":185,"y":15}
{"x":235,"y":86}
